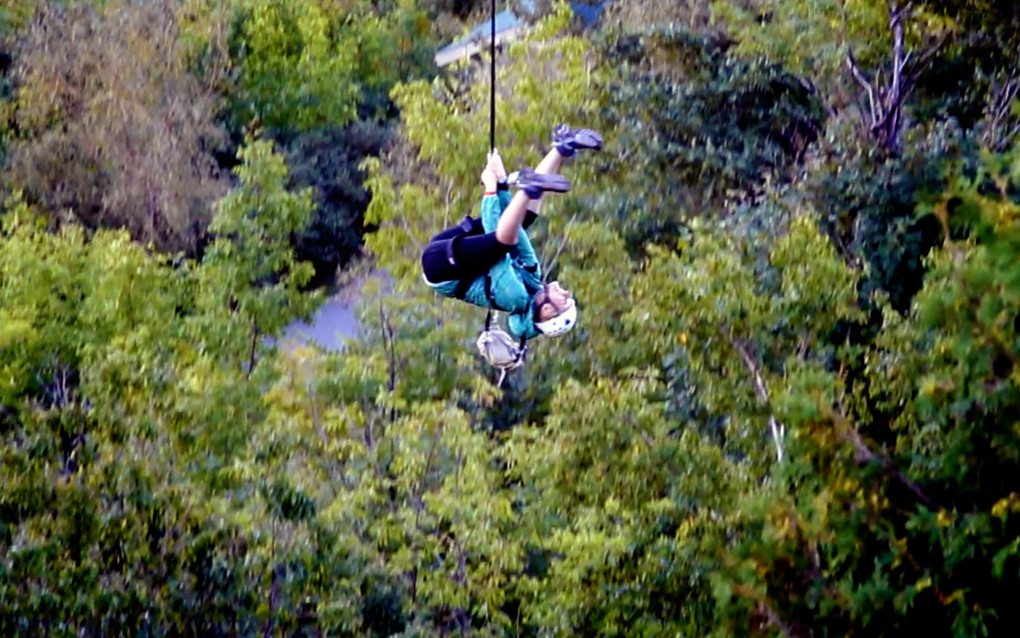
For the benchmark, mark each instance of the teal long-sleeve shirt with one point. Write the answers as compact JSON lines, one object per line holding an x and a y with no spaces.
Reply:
{"x":514,"y":279}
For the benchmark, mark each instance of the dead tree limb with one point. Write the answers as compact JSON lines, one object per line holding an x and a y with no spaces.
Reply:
{"x":887,"y":94}
{"x":761,"y":390}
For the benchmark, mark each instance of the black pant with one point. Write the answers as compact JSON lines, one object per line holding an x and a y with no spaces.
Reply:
{"x":462,"y":252}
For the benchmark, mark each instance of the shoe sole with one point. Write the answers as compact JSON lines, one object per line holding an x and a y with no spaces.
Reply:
{"x":592,"y":143}
{"x":581,"y":139}
{"x":546,"y":182}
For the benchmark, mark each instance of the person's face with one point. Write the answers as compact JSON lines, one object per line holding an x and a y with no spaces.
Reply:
{"x":556,"y":300}
{"x":559,"y":295}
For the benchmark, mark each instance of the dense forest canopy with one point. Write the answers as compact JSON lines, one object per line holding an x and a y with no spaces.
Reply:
{"x":789,"y":408}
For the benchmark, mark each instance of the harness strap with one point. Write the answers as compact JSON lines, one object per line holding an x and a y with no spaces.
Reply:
{"x":462,"y":288}
{"x":465,"y":227}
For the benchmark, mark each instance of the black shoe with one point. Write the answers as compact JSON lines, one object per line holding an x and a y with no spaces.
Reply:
{"x":566,"y":140}
{"x":534,"y":184}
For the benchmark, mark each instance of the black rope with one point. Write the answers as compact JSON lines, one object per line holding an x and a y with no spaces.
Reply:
{"x":492,"y":81}
{"x":492,"y":114}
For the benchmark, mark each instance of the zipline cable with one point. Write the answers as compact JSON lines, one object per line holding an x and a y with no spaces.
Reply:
{"x":492,"y":82}
{"x":522,"y":346}
{"x":492,"y":107}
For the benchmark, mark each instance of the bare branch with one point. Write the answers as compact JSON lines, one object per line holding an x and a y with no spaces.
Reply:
{"x":1007,"y":138}
{"x":858,"y":75}
{"x":888,"y":93}
{"x":863,"y":454}
{"x":760,"y":389}
{"x":998,"y":112}
{"x":770,"y":614}
{"x":802,"y":347}
{"x":904,"y":62}
{"x":418,"y":504}
{"x":1006,"y":98}
{"x":892,"y":94}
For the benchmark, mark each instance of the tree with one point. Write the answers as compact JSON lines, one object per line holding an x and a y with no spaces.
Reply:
{"x":309,"y":65}
{"x":638,"y":16}
{"x":109,"y":127}
{"x":249,"y":275}
{"x":127,"y":409}
{"x":703,"y":133}
{"x":293,"y":74}
{"x":834,"y":45}
{"x":900,"y":507}
{"x":330,"y":162}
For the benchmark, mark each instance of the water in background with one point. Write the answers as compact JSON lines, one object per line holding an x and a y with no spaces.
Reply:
{"x":334,"y":323}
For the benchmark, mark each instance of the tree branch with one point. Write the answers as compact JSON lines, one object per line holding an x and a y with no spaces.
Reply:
{"x":896,"y":26}
{"x":918,"y":67}
{"x":418,"y":503}
{"x":886,"y":96}
{"x":388,"y":342}
{"x":858,"y":75}
{"x":760,"y":389}
{"x":1000,"y":103}
{"x":254,"y":343}
{"x":864,"y":454}
{"x":773,"y":618}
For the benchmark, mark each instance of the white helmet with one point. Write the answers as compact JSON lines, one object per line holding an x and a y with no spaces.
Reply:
{"x":560,"y":324}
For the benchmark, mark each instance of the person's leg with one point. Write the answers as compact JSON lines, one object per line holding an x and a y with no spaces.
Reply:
{"x":472,"y":255}
{"x":531,"y":185}
{"x":478,"y":253}
{"x":566,"y":141}
{"x":468,"y":225}
{"x":550,"y":164}
{"x":513,"y":216}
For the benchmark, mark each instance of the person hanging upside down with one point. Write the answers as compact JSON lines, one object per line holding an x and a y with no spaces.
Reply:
{"x":489,"y":261}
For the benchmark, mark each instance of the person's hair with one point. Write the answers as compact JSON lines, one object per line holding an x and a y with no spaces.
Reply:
{"x":542,"y":300}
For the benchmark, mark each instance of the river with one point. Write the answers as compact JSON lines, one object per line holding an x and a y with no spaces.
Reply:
{"x":332,"y":324}
{"x":336,"y":321}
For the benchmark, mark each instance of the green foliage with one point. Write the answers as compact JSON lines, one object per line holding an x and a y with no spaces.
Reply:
{"x":638,"y":15}
{"x":311,"y":64}
{"x":14,"y":14}
{"x":864,"y":55}
{"x":700,"y":130}
{"x":793,"y":416}
{"x":126,"y":409}
{"x":393,"y":45}
{"x":811,"y":37}
{"x":920,"y":529}
{"x":623,"y":505}
{"x":305,"y":72}
{"x":870,"y":205}
{"x":329,"y":162}
{"x":294,"y":74}
{"x":108,"y":127}
{"x":249,"y":275}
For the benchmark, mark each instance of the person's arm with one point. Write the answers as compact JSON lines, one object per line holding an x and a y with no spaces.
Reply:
{"x":491,"y":210}
{"x":530,"y":269}
{"x":495,"y":198}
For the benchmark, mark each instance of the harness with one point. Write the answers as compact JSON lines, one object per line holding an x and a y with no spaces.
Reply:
{"x":500,"y":350}
{"x":496,"y":346}
{"x":464,"y":283}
